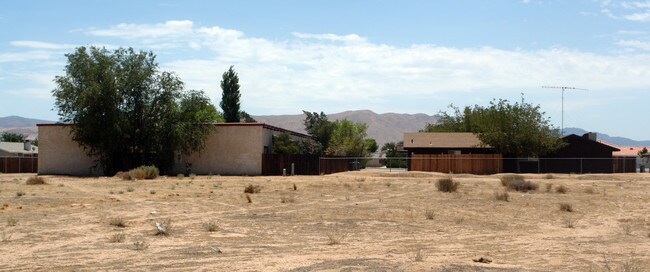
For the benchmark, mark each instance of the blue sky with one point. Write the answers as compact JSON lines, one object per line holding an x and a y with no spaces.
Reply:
{"x":331,"y":56}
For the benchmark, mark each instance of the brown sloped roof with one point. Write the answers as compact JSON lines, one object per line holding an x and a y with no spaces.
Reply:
{"x":442,"y":140}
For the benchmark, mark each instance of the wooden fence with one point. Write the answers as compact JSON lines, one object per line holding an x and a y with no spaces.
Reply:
{"x":18,"y":165}
{"x":479,"y":164}
{"x":273,"y":164}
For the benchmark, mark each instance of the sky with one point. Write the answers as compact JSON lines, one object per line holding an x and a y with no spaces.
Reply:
{"x":332,"y":56}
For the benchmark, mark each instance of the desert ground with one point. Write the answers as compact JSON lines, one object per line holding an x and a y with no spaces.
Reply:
{"x":371,"y":220}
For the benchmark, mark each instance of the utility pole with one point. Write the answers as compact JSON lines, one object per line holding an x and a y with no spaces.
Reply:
{"x":563,"y":88}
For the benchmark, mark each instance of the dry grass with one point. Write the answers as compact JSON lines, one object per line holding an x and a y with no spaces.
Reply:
{"x":35,"y":180}
{"x":142,"y":172}
{"x":253,"y":189}
{"x":508,"y":178}
{"x":419,"y":255}
{"x":590,"y":190}
{"x":5,"y":238}
{"x":12,"y":222}
{"x":117,"y":222}
{"x":561,"y":189}
{"x":139,"y":245}
{"x":502,"y":196}
{"x":248,"y":198}
{"x":163,"y":227}
{"x":211,"y":226}
{"x":566,"y":207}
{"x":287,"y":199}
{"x":429,"y":214}
{"x":549,"y":187}
{"x":626,"y":228}
{"x":117,"y":237}
{"x":67,"y":227}
{"x":447,"y":185}
{"x":20,"y":193}
{"x":336,"y":237}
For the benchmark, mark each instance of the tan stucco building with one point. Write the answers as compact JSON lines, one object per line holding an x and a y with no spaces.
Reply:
{"x":234,"y":149}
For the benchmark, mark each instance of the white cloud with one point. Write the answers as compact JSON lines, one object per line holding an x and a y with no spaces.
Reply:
{"x":330,"y":37}
{"x":136,"y":31}
{"x":643,"y":45}
{"x":41,"y":45}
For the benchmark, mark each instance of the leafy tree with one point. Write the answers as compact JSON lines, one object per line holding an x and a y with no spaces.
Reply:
{"x":371,"y":145}
{"x":12,"y":137}
{"x":348,"y":139}
{"x":518,"y":129}
{"x":246,"y":118}
{"x":230,"y":95}
{"x":393,"y":158}
{"x":643,"y":152}
{"x":318,"y":126}
{"x":283,"y":144}
{"x":126,"y":112}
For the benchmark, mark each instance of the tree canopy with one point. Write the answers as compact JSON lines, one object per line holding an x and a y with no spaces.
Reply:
{"x":230,"y":95}
{"x":518,"y":129}
{"x":7,"y":136}
{"x":393,"y":158}
{"x":348,"y":139}
{"x":126,"y":112}
{"x":318,"y":126}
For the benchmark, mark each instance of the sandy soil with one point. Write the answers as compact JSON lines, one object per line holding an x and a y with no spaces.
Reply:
{"x":378,"y":219}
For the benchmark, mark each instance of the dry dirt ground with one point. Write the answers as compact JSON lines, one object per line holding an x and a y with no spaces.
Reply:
{"x":356,"y":221}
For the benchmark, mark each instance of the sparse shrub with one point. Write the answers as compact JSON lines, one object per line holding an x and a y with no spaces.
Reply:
{"x":60,"y":185}
{"x":130,"y":189}
{"x":120,"y":192}
{"x":566,"y":207}
{"x":163,"y":227}
{"x":35,"y":180}
{"x":287,"y":199}
{"x":117,"y":237}
{"x":626,"y":228}
{"x":6,"y":237}
{"x":295,"y":187}
{"x":173,"y":187}
{"x":12,"y":221}
{"x":447,"y":185}
{"x":111,"y":192}
{"x":561,"y":189}
{"x":248,"y":197}
{"x":180,"y":176}
{"x":429,"y":214}
{"x":520,"y":184}
{"x":568,"y":222}
{"x":192,"y":176}
{"x":153,"y":192}
{"x":216,"y":185}
{"x":507,"y":179}
{"x":253,"y":189}
{"x":549,"y":187}
{"x":139,"y":245}
{"x":20,"y":193}
{"x":549,"y":176}
{"x":502,"y":196}
{"x":142,"y":172}
{"x":211,"y":226}
{"x":336,"y":237}
{"x":117,"y":222}
{"x":419,"y":255}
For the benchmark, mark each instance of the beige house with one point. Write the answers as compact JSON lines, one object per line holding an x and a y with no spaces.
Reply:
{"x":26,"y":149}
{"x":234,"y":149}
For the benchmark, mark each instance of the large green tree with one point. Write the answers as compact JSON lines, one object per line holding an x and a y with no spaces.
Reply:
{"x":393,"y":159}
{"x":348,"y":139}
{"x":518,"y":129}
{"x":319,"y":126}
{"x":230,"y":95}
{"x":12,"y":137}
{"x":126,"y":112}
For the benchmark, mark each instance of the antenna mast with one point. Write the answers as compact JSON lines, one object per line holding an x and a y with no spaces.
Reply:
{"x":563,"y":88}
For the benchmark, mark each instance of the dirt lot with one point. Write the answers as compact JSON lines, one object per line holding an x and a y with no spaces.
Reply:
{"x":358,"y":221}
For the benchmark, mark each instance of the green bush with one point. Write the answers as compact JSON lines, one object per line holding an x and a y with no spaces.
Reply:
{"x":142,"y":172}
{"x":447,"y":185}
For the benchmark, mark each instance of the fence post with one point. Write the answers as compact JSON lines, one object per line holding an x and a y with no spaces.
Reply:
{"x":581,"y":165}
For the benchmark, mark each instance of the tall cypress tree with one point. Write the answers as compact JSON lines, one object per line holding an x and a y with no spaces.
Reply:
{"x":230,"y":96}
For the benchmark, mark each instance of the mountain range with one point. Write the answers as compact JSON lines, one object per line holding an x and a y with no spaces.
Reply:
{"x":385,"y":127}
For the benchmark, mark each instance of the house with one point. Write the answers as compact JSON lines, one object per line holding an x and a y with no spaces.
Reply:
{"x":25,"y":149}
{"x":233,"y":149}
{"x":444,"y":143}
{"x":581,"y":154}
{"x":629,"y":158}
{"x":457,"y":152}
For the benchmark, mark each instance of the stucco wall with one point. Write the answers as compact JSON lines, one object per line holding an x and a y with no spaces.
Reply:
{"x":232,"y":150}
{"x":60,"y":155}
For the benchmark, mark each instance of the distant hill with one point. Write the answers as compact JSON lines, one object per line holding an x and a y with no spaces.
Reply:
{"x":22,"y":125}
{"x":386,"y":127}
{"x":620,"y":141}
